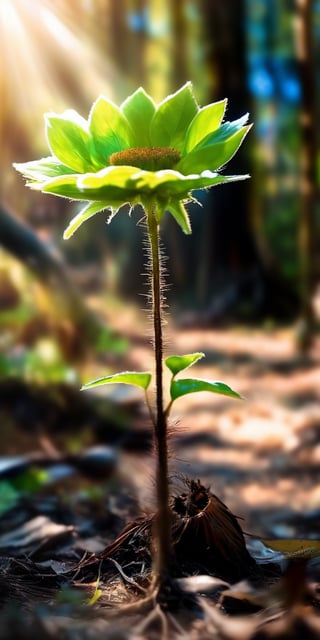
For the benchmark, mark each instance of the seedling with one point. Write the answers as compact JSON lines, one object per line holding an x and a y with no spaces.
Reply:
{"x":154,"y":156}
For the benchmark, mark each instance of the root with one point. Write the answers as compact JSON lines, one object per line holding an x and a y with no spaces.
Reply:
{"x":155,"y":613}
{"x":134,"y":608}
{"x":126,"y":578}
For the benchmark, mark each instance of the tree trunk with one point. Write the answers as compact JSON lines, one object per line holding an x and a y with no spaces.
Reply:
{"x":308,"y":167}
{"x":22,"y":242}
{"x":234,"y":269}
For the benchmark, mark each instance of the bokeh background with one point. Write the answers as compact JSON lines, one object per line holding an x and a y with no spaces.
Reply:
{"x":253,"y":256}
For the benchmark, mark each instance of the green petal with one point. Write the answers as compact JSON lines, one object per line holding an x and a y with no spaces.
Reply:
{"x":89,"y":210}
{"x":214,"y":151}
{"x":64,"y":186}
{"x":138,"y":379}
{"x":168,"y":183}
{"x":139,"y":109}
{"x":109,"y":128}
{"x":109,"y":184}
{"x":41,"y":170}
{"x":208,"y":119}
{"x":209,"y":179}
{"x":226,"y":131}
{"x":114,"y":183}
{"x":193,"y":385}
{"x":171,"y":120}
{"x":180,"y":214}
{"x":179,"y":363}
{"x":69,"y":140}
{"x":118,"y":185}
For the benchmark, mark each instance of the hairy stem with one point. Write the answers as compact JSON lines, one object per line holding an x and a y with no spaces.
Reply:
{"x":163,"y":544}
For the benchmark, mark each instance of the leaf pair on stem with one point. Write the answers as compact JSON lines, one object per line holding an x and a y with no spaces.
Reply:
{"x":178,"y":388}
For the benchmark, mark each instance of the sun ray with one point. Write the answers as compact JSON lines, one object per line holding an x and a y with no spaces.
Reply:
{"x":48,"y":57}
{"x":45,"y":60}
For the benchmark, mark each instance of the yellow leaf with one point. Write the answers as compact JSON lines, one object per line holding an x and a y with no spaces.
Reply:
{"x":295,"y":548}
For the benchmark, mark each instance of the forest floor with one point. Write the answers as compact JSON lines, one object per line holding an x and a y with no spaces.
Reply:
{"x":259,"y":455}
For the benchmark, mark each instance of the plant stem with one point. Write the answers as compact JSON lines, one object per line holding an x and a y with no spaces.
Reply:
{"x":163,"y":542}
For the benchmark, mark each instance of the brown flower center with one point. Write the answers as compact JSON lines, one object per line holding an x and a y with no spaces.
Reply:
{"x":148,"y":158}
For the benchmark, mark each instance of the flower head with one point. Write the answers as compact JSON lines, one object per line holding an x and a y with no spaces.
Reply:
{"x":154,"y":155}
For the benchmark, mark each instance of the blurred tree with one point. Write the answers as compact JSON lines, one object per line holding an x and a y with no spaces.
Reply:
{"x":179,"y":35}
{"x":20,"y":241}
{"x":309,"y":187}
{"x":277,"y":83}
{"x":233,"y":276}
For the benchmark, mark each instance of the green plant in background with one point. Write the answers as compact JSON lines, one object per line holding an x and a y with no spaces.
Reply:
{"x":154,"y":156}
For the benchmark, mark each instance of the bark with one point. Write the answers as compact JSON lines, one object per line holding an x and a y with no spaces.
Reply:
{"x":308,"y":167}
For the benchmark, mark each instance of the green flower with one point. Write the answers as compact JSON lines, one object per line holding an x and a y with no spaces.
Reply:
{"x":137,"y":153}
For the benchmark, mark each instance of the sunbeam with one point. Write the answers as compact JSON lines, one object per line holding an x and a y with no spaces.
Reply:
{"x":47,"y":59}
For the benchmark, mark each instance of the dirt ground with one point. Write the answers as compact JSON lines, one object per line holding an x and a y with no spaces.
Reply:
{"x":260,"y":455}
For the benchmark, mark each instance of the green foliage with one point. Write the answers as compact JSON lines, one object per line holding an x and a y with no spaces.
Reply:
{"x":43,"y":362}
{"x":135,"y":378}
{"x":9,"y":497}
{"x":179,"y":363}
{"x":107,"y":341}
{"x":27,"y":483}
{"x":31,"y":480}
{"x":178,"y":388}
{"x":182,"y":387}
{"x":193,"y":385}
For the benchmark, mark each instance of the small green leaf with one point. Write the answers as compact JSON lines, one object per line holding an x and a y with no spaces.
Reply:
{"x":207,"y":120}
{"x":139,"y":109}
{"x":138,"y":379}
{"x":109,"y":128}
{"x":193,"y":385}
{"x":171,"y":120}
{"x":180,"y":214}
{"x":69,"y":140}
{"x":295,"y":548}
{"x":89,"y":210}
{"x":179,"y":363}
